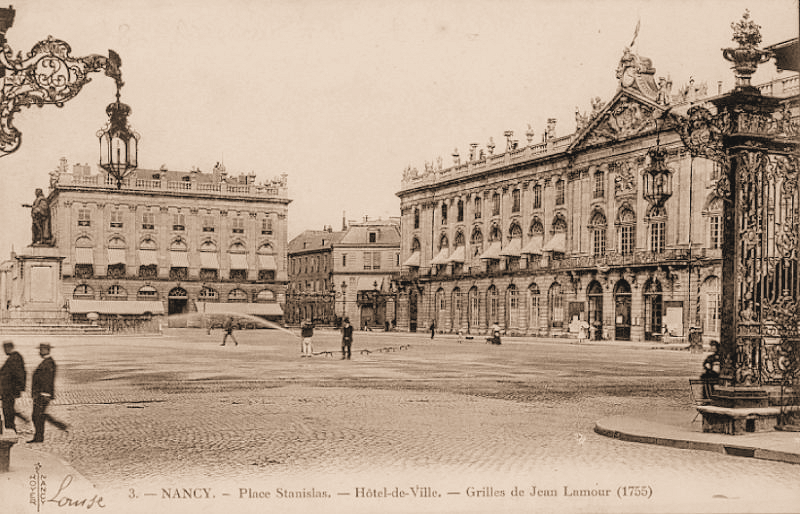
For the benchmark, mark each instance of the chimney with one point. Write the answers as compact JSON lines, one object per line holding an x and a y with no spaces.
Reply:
{"x":344,"y":221}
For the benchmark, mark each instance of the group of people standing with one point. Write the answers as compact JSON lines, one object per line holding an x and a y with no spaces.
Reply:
{"x":307,"y":333}
{"x":12,"y":384}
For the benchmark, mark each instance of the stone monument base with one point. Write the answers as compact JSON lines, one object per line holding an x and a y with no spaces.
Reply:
{"x":740,"y":410}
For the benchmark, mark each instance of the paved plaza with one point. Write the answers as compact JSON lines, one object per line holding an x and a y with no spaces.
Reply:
{"x":455,"y":427}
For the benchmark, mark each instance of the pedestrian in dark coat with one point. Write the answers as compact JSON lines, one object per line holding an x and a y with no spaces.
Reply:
{"x":12,"y":383}
{"x":42,"y":393}
{"x":347,"y":338}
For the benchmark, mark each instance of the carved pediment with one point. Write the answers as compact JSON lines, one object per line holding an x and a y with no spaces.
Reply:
{"x":627,"y":116}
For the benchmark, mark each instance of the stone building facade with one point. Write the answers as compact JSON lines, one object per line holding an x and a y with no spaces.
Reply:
{"x":546,"y":234}
{"x":351,"y":273}
{"x":165,"y":243}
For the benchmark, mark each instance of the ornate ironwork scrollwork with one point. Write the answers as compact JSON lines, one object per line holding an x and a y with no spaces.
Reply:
{"x":48,"y":74}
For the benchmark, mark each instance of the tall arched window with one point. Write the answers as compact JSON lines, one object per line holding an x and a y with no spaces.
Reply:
{"x":512,"y":307}
{"x":714,"y":222}
{"x":597,"y":225}
{"x":626,"y":220}
{"x":555,"y":300}
{"x":460,"y":211}
{"x":492,"y":306}
{"x":658,"y":229}
{"x":711,"y":298}
{"x":444,"y":213}
{"x":476,"y":242}
{"x":457,"y":309}
{"x":473,"y":317}
{"x":533,"y":307}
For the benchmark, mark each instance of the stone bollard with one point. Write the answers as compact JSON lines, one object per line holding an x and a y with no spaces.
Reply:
{"x":6,"y":442}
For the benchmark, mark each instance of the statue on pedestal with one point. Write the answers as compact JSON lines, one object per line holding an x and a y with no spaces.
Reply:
{"x":40,"y":215}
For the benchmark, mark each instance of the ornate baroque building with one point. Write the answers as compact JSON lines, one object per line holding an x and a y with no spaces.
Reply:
{"x":165,"y":242}
{"x":569,"y":228}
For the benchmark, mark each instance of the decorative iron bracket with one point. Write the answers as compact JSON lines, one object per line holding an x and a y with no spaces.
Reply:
{"x":48,"y":74}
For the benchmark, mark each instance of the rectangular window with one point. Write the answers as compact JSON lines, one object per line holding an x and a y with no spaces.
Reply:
{"x":496,"y":204}
{"x":712,"y":313}
{"x":376,"y":260}
{"x":714,"y":232}
{"x":208,"y":224}
{"x":367,"y":260}
{"x":266,"y":226}
{"x":599,"y":184}
{"x":397,"y":260}
{"x":560,"y":192}
{"x":460,"y":212}
{"x":116,"y":219}
{"x":344,"y":260}
{"x":537,"y":196}
{"x":178,"y":222}
{"x":515,"y":200}
{"x":444,"y":214}
{"x":238,"y":225}
{"x":626,"y":239}
{"x":84,"y":218}
{"x":148,"y":220}
{"x":478,"y":207}
{"x":599,"y":242}
{"x":657,"y":236}
{"x":373,"y":237}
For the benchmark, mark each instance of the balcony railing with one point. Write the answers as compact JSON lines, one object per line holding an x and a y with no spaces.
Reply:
{"x":138,"y":184}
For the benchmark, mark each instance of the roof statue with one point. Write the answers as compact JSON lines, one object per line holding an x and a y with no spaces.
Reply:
{"x":636,"y":72}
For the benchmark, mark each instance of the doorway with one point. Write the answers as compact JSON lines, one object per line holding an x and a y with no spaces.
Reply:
{"x":622,"y":318}
{"x":595,"y":296}
{"x":653,"y":311}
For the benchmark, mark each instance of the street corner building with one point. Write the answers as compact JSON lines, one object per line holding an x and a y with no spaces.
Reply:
{"x":125,"y":255}
{"x":350,"y":273}
{"x":616,"y":224}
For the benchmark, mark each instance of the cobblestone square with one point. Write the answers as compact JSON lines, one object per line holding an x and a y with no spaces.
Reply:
{"x":467,"y":420}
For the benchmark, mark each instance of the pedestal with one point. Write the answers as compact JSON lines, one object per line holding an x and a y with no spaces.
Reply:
{"x":739,"y":410}
{"x":6,"y":442}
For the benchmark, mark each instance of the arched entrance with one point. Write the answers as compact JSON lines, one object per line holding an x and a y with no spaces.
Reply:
{"x":653,"y":311}
{"x":177,"y":303}
{"x":595,"y":296}
{"x":622,"y":314}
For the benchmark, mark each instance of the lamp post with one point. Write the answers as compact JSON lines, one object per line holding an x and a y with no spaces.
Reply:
{"x":344,"y":299}
{"x":119,"y":144}
{"x":48,"y":74}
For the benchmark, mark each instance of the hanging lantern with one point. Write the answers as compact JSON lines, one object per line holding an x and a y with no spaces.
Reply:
{"x":119,"y":144}
{"x":657,"y":178}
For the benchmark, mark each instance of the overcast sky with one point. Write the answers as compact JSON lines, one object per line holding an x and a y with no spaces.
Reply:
{"x":343,"y":95}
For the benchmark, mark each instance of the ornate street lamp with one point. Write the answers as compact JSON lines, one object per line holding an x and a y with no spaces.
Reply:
{"x":119,"y":144}
{"x":47,"y":74}
{"x":657,"y":178}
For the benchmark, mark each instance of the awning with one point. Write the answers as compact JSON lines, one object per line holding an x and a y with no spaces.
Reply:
{"x":493,"y":252}
{"x":557,"y":243}
{"x":267,"y":262}
{"x":115,"y":307}
{"x":254,"y":309}
{"x":116,"y":256}
{"x":368,"y":283}
{"x":148,"y":257}
{"x":513,"y":248}
{"x":84,"y":256}
{"x":209,"y":260}
{"x":238,"y":260}
{"x":441,"y":257}
{"x":534,"y":246}
{"x":179,"y":259}
{"x":457,"y":255}
{"x":413,"y":260}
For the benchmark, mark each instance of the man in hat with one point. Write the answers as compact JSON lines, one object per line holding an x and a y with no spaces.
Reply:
{"x":307,"y":333}
{"x":42,"y":392}
{"x":12,"y":383}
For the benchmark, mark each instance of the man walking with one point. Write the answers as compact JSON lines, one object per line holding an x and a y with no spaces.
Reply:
{"x":12,"y":383}
{"x":347,"y":338}
{"x":229,"y":331}
{"x":42,"y":392}
{"x":307,"y":332}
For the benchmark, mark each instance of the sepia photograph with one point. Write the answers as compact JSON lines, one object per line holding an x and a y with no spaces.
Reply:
{"x":426,"y":256}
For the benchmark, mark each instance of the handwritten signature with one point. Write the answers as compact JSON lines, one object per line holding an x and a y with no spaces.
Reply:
{"x":65,"y":501}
